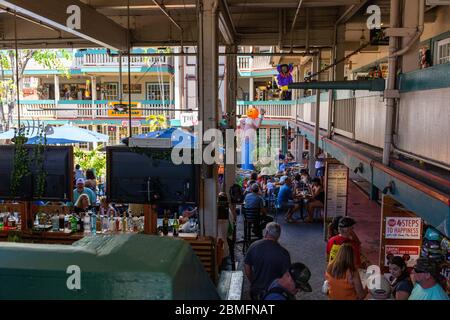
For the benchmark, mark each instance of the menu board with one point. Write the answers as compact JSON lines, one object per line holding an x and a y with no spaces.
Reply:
{"x":336,"y":188}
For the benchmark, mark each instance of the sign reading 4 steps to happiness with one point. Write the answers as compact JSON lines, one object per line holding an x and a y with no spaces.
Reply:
{"x":403,"y":228}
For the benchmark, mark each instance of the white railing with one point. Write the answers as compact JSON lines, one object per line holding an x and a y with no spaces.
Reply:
{"x":247,"y":63}
{"x":244,"y":63}
{"x":94,"y":59}
{"x":42,"y":110}
{"x":158,"y":109}
{"x":261,"y":62}
{"x":275,"y":109}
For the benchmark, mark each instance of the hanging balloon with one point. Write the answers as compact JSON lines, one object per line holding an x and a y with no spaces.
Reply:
{"x":252,"y":113}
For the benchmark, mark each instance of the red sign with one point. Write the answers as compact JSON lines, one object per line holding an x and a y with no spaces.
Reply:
{"x":409,"y":253}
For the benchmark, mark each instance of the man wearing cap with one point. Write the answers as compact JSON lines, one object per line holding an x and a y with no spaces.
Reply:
{"x":295,"y":279}
{"x":346,"y":235}
{"x":81,"y":189}
{"x":265,"y":261}
{"x":285,"y":198}
{"x":254,"y":200}
{"x":425,"y":275}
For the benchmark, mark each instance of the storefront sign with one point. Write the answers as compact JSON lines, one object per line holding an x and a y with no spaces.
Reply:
{"x":336,"y":188}
{"x":403,"y":228}
{"x":401,"y":233}
{"x":188,"y":119}
{"x":409,"y":253}
{"x":134,"y":123}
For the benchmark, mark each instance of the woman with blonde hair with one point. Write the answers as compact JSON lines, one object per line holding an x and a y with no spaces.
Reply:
{"x":344,"y":282}
{"x":83,"y":203}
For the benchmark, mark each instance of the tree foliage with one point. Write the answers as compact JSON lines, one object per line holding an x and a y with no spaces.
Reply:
{"x":47,"y":58}
{"x":91,"y":160}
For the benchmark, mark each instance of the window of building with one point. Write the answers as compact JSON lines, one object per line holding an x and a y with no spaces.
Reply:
{"x":82,"y":145}
{"x":145,"y":129}
{"x":275,"y":142}
{"x":112,"y":134}
{"x":154,"y":91}
{"x":111,"y":90}
{"x":443,"y":49}
{"x":134,"y":131}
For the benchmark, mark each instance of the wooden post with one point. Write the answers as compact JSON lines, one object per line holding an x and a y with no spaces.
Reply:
{"x":150,"y":220}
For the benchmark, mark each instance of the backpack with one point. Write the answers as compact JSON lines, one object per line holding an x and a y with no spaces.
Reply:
{"x":236,"y":194}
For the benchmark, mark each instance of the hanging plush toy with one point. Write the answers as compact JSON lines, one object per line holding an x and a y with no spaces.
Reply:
{"x":284,"y":79}
{"x":249,"y":127}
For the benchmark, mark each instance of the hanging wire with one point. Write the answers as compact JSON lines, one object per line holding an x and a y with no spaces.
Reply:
{"x":337,"y":62}
{"x":17,"y":68}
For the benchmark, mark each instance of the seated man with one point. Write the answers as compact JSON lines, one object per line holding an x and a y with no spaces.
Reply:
{"x":254,"y":201}
{"x":285,"y":199}
{"x":284,"y":165}
{"x":81,"y":189}
{"x":317,"y":199}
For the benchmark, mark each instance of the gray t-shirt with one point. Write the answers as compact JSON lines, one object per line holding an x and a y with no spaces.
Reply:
{"x":269,"y":261}
{"x":253,"y":201}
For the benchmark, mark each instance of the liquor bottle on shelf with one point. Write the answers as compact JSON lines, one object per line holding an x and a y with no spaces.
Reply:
{"x":1,"y":223}
{"x":66,"y":222}
{"x":117,"y":222}
{"x":93,"y":222}
{"x":61,"y":222}
{"x":175,"y":225}
{"x":124,"y":222}
{"x":73,"y":223}
{"x":87,"y":223}
{"x":105,"y":224}
{"x":165,"y":226}
{"x":80,"y":223}
{"x":112,"y":224}
{"x":55,"y":221}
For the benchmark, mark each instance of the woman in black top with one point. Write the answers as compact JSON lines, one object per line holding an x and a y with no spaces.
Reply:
{"x":317,"y":199}
{"x":401,"y":285}
{"x":83,"y":204}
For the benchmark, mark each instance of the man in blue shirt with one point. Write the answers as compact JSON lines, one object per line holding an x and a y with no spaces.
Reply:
{"x":425,"y":274}
{"x":285,"y":199}
{"x":294,"y":280}
{"x":254,"y":200}
{"x":81,"y":189}
{"x":284,"y":165}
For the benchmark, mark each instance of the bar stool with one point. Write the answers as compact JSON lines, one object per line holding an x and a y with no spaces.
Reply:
{"x":252,"y":220}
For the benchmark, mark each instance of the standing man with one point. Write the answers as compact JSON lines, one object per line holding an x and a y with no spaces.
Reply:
{"x":266,"y":260}
{"x":81,"y":189}
{"x":294,"y":280}
{"x":346,"y":235}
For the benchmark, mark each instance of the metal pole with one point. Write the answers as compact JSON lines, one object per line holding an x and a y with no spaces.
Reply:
{"x":294,"y":21}
{"x":391,"y":83}
{"x":317,"y":115}
{"x":17,"y":69}
{"x":129,"y":71}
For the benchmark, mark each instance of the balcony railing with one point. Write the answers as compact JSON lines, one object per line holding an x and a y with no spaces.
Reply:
{"x":248,"y":64}
{"x":274,"y":109}
{"x":81,"y":109}
{"x":99,"y":60}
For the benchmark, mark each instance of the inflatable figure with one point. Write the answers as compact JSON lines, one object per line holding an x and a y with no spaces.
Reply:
{"x":284,"y":77}
{"x":249,"y":127}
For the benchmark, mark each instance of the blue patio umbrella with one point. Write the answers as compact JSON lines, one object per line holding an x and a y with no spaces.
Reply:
{"x":68,"y":134}
{"x":179,"y":137}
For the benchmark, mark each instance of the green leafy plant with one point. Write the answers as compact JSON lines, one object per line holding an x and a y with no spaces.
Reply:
{"x":38,"y":155}
{"x":20,"y":165}
{"x":94,"y":159}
